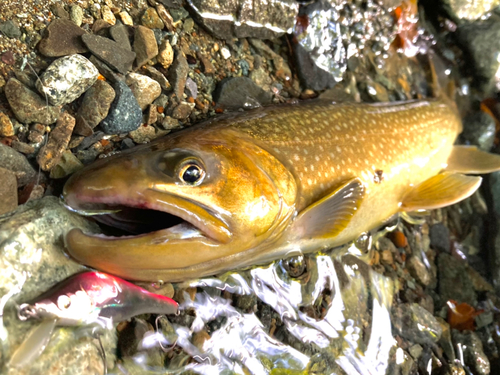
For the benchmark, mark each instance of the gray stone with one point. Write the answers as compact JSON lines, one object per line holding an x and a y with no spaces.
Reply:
{"x":17,"y":163}
{"x":68,"y":164}
{"x":440,"y":237}
{"x":145,"y":45}
{"x":472,"y":347}
{"x":311,"y":76}
{"x":177,"y":74}
{"x":191,"y":88}
{"x":454,"y":281}
{"x":90,"y":140}
{"x":145,"y":89}
{"x":151,"y":20}
{"x":10,"y":29}
{"x":479,"y":130}
{"x":144,"y":134}
{"x":418,"y":270}
{"x":240,"y":92}
{"x":416,"y":324}
{"x":182,"y":111}
{"x":158,"y":77}
{"x":125,"y":114}
{"x":8,"y":191}
{"x":58,"y":141}
{"x":109,"y":51}
{"x":238,"y":19}
{"x":95,"y":107}
{"x":28,"y":106}
{"x":468,"y":10}
{"x":66,"y":79}
{"x":120,"y":35}
{"x":63,"y":38}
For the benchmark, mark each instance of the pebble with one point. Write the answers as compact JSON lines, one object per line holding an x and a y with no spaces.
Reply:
{"x":440,"y":237}
{"x":418,"y":270}
{"x":165,"y":16}
{"x":126,"y":144}
{"x":152,"y":114}
{"x":473,"y":353}
{"x":165,"y":54}
{"x":68,"y":164}
{"x":120,"y":35}
{"x":188,"y":25}
{"x":8,"y":191}
{"x":10,"y":29}
{"x":76,"y":14}
{"x":66,"y":79}
{"x":158,"y":77}
{"x":6,"y":127}
{"x":311,"y":76}
{"x":145,"y":45}
{"x":63,"y":38}
{"x":479,"y":130}
{"x":22,"y":147}
{"x":145,"y":89}
{"x":416,"y":324}
{"x":182,"y":111}
{"x":89,"y":141}
{"x":177,"y":74}
{"x":144,"y":134}
{"x":108,"y":16}
{"x":58,"y":141}
{"x":110,"y":52}
{"x":170,"y":123}
{"x":126,"y":19}
{"x":206,"y":64}
{"x":94,"y":108}
{"x":8,"y":58}
{"x":454,"y":281}
{"x":191,"y":88}
{"x":28,"y":106}
{"x":151,"y":19}
{"x":240,"y":92}
{"x":125,"y":115}
{"x":17,"y":163}
{"x":59,"y":11}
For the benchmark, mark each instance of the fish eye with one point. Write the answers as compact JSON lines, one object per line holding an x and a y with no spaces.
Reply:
{"x":191,"y":173}
{"x":63,"y":302}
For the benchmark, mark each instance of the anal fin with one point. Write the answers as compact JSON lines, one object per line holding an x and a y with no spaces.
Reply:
{"x":331,"y":214}
{"x":470,"y":160}
{"x":439,"y":191}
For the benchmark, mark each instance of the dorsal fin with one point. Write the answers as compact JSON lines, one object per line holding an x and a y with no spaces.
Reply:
{"x":331,"y":214}
{"x":439,"y":191}
{"x":470,"y":160}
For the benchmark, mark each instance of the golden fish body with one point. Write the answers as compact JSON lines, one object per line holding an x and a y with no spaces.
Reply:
{"x":272,"y":182}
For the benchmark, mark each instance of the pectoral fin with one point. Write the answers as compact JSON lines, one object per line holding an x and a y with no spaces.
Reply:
{"x":470,"y":160}
{"x":331,"y":214}
{"x":439,"y":191}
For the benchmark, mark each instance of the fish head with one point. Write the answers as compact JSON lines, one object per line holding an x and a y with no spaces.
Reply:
{"x":197,"y":197}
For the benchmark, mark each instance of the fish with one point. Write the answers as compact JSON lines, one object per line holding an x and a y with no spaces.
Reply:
{"x":249,"y":188}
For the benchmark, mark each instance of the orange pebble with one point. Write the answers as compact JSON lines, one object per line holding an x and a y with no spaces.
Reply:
{"x":101,"y":77}
{"x":219,"y":110}
{"x":160,"y":109}
{"x":190,"y":99}
{"x":398,"y":238}
{"x":104,"y":142}
{"x":461,"y":316}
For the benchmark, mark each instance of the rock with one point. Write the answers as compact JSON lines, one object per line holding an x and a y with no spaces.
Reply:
{"x":94,"y":108}
{"x":454,"y":281}
{"x":240,"y":92}
{"x":126,"y":19}
{"x":89,"y":141}
{"x":107,"y":15}
{"x":479,"y":130}
{"x":58,"y":141}
{"x":145,"y":89}
{"x":440,"y":237}
{"x":59,"y":11}
{"x":76,"y":14}
{"x":188,"y":25}
{"x":144,"y":45}
{"x":101,"y":28}
{"x":127,"y":143}
{"x":311,"y":76}
{"x":158,"y":77}
{"x":66,"y":79}
{"x":418,"y":270}
{"x":178,"y":13}
{"x":468,"y":10}
{"x":8,"y":58}
{"x":165,"y":54}
{"x":480,"y":41}
{"x":10,"y":29}
{"x":206,"y":64}
{"x":375,"y":91}
{"x":17,"y":163}
{"x":6,"y":127}
{"x":63,"y":38}
{"x":120,"y":35}
{"x":177,"y":74}
{"x":416,"y":324}
{"x":182,"y":111}
{"x":165,"y":16}
{"x":191,"y":88}
{"x":472,"y":347}
{"x":144,"y":134}
{"x":151,"y":20}
{"x":68,"y":164}
{"x":125,"y":115}
{"x":8,"y":191}
{"x":227,"y":19}
{"x":152,"y":114}
{"x":28,"y":106}
{"x":170,"y":123}
{"x":22,"y":147}
{"x":110,"y":52}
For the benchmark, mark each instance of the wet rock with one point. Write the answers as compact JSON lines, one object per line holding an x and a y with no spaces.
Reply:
{"x":17,"y":163}
{"x":151,"y":20}
{"x":6,"y":127}
{"x":481,"y":40}
{"x":165,"y":16}
{"x":126,"y":19}
{"x":206,"y":64}
{"x":145,"y":45}
{"x":158,"y":77}
{"x":191,"y":88}
{"x":468,"y":10}
{"x":125,"y":115}
{"x":144,"y":134}
{"x":237,"y":19}
{"x":63,"y":38}
{"x":188,"y":25}
{"x":101,"y":28}
{"x":416,"y":324}
{"x":107,"y":15}
{"x":479,"y":130}
{"x":90,"y":140}
{"x":440,"y":237}
{"x":22,"y":147}
{"x":59,"y":11}
{"x":165,"y":54}
{"x":145,"y":89}
{"x":240,"y":92}
{"x":418,"y":270}
{"x":95,"y":107}
{"x":58,"y":141}
{"x":445,"y":340}
{"x":182,"y":111}
{"x":76,"y":14}
{"x":112,"y":53}
{"x":66,"y":79}
{"x":10,"y":29}
{"x":28,"y":106}
{"x":170,"y":123}
{"x":177,"y":74}
{"x":454,"y":282}
{"x":8,"y":191}
{"x":311,"y":76}
{"x":472,"y":348}
{"x":68,"y":164}
{"x":178,"y":13}
{"x":120,"y":35}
